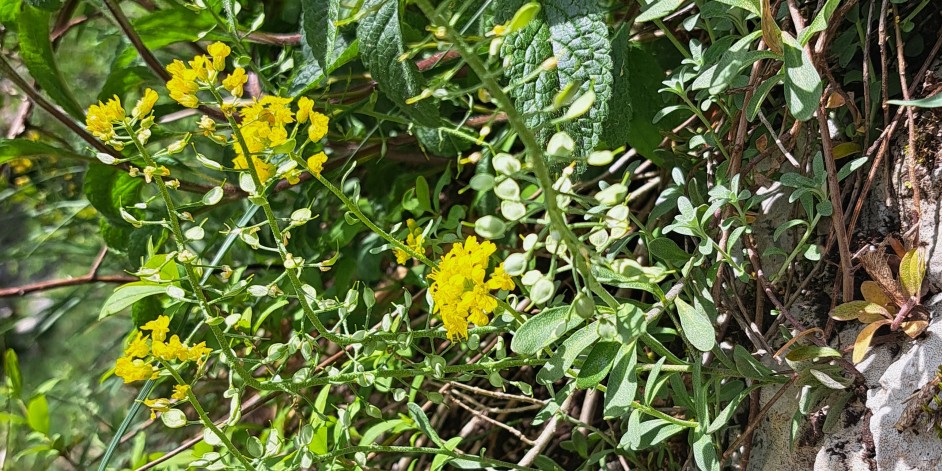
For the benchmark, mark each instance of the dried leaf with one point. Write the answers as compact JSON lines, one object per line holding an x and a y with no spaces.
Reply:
{"x":914,"y":328}
{"x":874,"y":262}
{"x":771,"y":33}
{"x":864,"y":338}
{"x":912,"y":269}
{"x":873,"y":293}
{"x":855,"y":309}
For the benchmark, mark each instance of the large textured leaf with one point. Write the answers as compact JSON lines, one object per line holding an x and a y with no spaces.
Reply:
{"x":912,"y":269}
{"x":319,"y":28}
{"x":381,"y":49}
{"x":696,"y":324}
{"x":108,"y":190}
{"x":803,"y":85}
{"x":36,"y":52}
{"x":523,"y":52}
{"x":579,"y":35}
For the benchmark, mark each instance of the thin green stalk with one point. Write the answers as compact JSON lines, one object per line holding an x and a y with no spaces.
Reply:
{"x":276,"y":231}
{"x":656,"y":413}
{"x":534,"y":153}
{"x":208,"y":422}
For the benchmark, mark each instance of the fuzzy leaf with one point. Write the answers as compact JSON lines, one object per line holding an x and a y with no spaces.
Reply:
{"x":697,"y":326}
{"x":381,"y":49}
{"x":318,"y":24}
{"x":579,"y":36}
{"x":803,"y":85}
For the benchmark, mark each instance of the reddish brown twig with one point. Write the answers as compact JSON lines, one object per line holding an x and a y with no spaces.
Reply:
{"x":91,"y":277}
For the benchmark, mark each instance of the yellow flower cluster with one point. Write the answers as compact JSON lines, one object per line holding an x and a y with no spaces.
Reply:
{"x":459,"y":291}
{"x":185,"y":81}
{"x":414,"y":240}
{"x":102,"y":118}
{"x":162,"y":404}
{"x":137,"y":362}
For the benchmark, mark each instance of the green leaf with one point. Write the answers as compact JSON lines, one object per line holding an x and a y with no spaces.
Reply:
{"x":109,"y":189}
{"x":803,"y":87}
{"x":748,"y":366}
{"x":543,"y":329}
{"x":648,"y":433}
{"x":667,"y":250}
{"x":566,"y":354}
{"x":704,"y":452}
{"x":912,"y":269}
{"x":381,"y":49}
{"x":523,"y":52}
{"x":819,"y":23}
{"x":752,"y":6}
{"x":36,"y":52}
{"x":723,"y":418}
{"x":418,"y":415}
{"x":128,"y":294}
{"x":657,"y":9}
{"x":617,"y":127}
{"x":696,"y":325}
{"x":759,"y":96}
{"x":11,"y":149}
{"x":597,"y":365}
{"x":11,"y":368}
{"x":622,"y":384}
{"x":579,"y":36}
{"x":319,"y":27}
{"x":37,"y":414}
{"x":129,"y":79}
{"x":933,"y":101}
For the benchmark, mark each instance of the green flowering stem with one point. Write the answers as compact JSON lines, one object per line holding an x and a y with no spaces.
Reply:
{"x":406,"y":450}
{"x":534,"y":152}
{"x":276,"y":231}
{"x":355,"y":209}
{"x":207,"y":422}
{"x":191,"y":274}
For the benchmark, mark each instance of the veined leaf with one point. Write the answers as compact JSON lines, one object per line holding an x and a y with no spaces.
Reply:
{"x":912,"y":269}
{"x":597,"y":364}
{"x":36,"y":52}
{"x":38,"y":414}
{"x":771,"y":33}
{"x":854,"y":309}
{"x":658,"y":9}
{"x":864,"y":338}
{"x":566,"y":354}
{"x":11,"y":149}
{"x":543,"y":329}
{"x":579,"y":35}
{"x":622,"y":384}
{"x":617,"y":127}
{"x":381,"y":49}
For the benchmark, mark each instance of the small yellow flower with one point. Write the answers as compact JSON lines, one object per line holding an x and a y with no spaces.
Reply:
{"x":131,"y":370}
{"x":138,"y":347}
{"x":101,"y":118}
{"x":219,"y":52}
{"x":182,"y":84}
{"x":305,"y":108}
{"x":235,"y":82}
{"x":414,"y":240}
{"x":207,"y":125}
{"x":198,"y":351}
{"x":172,"y":350}
{"x":179,"y":392}
{"x":459,"y":290}
{"x":145,"y":104}
{"x":201,"y":65}
{"x":315,"y":163}
{"x":157,"y":405}
{"x":318,"y":128}
{"x":265,"y":170}
{"x":158,"y":328}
